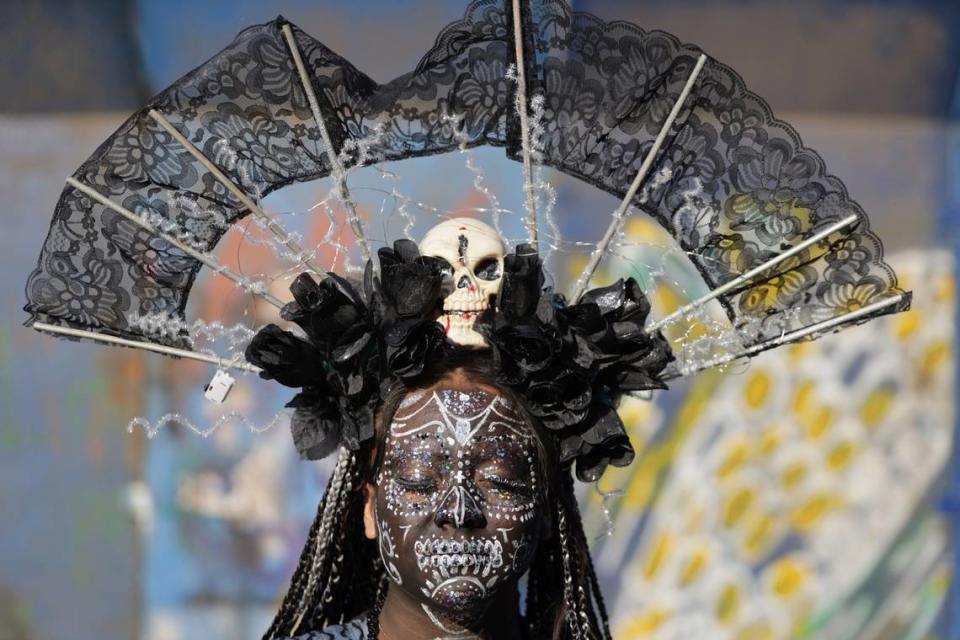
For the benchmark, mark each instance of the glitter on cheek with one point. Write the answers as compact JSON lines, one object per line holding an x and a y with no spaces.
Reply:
{"x":411,"y":473}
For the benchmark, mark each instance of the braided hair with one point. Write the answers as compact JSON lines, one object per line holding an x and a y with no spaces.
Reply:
{"x":340,"y":574}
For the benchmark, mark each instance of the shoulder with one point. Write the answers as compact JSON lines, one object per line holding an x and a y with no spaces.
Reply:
{"x":355,"y":629}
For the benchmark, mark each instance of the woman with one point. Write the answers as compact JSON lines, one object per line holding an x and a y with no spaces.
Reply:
{"x":454,"y":476}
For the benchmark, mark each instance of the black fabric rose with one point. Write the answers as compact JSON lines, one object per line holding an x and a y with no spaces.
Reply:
{"x":410,"y":344}
{"x":520,"y":350}
{"x":284,"y":357}
{"x":356,"y":422}
{"x":561,"y":399}
{"x":338,"y":366}
{"x":409,"y":294}
{"x":632,"y":359}
{"x":325,"y":311}
{"x":316,"y":423}
{"x":522,"y":284}
{"x":600,"y":441}
{"x":573,"y":363}
{"x":411,"y":284}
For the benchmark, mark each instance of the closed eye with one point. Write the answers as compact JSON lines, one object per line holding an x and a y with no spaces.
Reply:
{"x":422,"y":485}
{"x":508,"y":485}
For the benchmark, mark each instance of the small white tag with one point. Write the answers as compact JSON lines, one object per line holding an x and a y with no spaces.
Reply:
{"x":219,"y":387}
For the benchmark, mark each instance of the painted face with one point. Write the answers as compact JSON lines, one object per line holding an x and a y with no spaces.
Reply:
{"x":457,"y":502}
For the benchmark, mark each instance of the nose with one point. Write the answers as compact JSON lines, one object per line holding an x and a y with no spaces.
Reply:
{"x":460,"y":509}
{"x":464,"y":283}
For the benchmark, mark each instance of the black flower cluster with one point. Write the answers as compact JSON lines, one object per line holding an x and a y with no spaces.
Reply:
{"x":570,"y":363}
{"x":354,"y":344}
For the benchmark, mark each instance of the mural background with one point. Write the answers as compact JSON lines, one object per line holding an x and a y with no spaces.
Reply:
{"x":811,"y":495}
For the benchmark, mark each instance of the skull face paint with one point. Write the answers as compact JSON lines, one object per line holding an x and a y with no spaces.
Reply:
{"x":457,"y":498}
{"x":474,"y":256}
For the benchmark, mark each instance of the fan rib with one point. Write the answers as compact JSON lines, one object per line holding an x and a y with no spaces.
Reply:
{"x":335,"y":167}
{"x":743,"y":278}
{"x":621,"y":212}
{"x":798,"y":334}
{"x":278,"y":231}
{"x":529,"y":200}
{"x":146,"y":346}
{"x":236,"y":278}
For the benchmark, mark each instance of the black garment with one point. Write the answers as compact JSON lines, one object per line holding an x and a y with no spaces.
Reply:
{"x":355,"y":629}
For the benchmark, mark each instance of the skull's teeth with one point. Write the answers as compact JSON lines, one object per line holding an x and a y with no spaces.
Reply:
{"x":455,"y":306}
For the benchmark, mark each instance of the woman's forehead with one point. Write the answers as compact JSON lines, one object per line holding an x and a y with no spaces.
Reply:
{"x":459,"y":401}
{"x":459,"y":413}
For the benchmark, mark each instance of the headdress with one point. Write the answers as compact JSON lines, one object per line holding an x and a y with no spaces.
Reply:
{"x":781,"y":250}
{"x":569,"y":363}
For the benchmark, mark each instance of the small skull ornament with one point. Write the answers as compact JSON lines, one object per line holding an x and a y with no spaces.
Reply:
{"x":474,"y":255}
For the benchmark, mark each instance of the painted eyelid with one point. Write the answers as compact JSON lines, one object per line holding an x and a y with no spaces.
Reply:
{"x":419,"y":483}
{"x":509,"y":483}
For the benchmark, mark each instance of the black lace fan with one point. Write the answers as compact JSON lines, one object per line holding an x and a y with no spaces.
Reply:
{"x":636,"y":113}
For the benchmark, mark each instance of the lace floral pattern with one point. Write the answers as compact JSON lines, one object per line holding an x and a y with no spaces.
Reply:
{"x":607,"y":88}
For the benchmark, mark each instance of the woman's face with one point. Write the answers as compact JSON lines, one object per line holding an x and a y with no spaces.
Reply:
{"x":457,"y":507}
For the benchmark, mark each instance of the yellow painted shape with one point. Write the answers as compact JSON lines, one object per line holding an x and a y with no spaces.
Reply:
{"x":728,"y":603}
{"x":799,"y":351}
{"x":818,"y":422}
{"x":788,"y":577}
{"x":794,"y":474}
{"x":668,"y":299}
{"x":770,"y":440}
{"x":841,"y":454}
{"x":876,"y":407}
{"x":737,"y":505}
{"x":933,"y":360}
{"x":644,"y":230}
{"x":761,"y":535}
{"x":803,"y":397}
{"x":738,"y":452}
{"x":806,"y":516}
{"x":757,"y":389}
{"x":694,"y":566}
{"x":646,"y":623}
{"x":659,"y":552}
{"x":906,"y":324}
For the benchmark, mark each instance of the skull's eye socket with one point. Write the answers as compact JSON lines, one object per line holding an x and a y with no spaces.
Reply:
{"x":446,"y":269}
{"x":488,"y":269}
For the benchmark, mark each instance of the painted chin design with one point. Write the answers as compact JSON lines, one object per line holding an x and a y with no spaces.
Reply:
{"x":459,"y":597}
{"x":460,"y":574}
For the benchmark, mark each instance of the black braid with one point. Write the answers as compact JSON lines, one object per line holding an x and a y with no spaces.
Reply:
{"x":301,"y":575}
{"x":563,"y":595}
{"x":594,"y":584}
{"x":340,"y":560}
